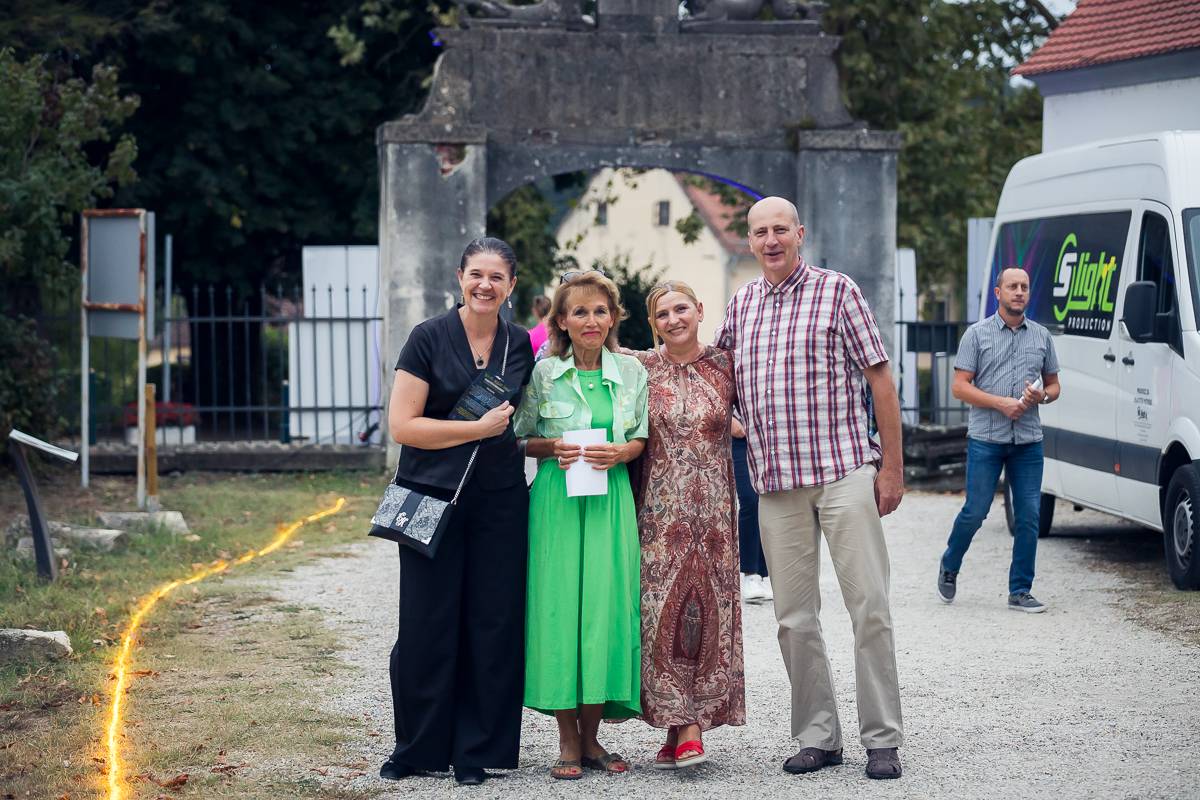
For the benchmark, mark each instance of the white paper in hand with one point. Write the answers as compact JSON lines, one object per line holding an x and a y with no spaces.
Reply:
{"x":582,"y":479}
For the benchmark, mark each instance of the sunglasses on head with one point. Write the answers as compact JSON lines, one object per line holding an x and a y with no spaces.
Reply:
{"x":567,"y":277}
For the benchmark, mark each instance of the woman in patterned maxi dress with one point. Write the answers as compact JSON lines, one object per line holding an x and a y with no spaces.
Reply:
{"x":693,"y":676}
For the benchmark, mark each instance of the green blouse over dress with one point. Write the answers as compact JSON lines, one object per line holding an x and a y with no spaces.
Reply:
{"x":583,"y":621}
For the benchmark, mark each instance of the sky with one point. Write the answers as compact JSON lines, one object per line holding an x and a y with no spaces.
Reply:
{"x":1060,"y":8}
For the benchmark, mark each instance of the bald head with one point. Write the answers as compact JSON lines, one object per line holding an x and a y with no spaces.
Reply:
{"x":770,"y":206}
{"x":775,"y":235}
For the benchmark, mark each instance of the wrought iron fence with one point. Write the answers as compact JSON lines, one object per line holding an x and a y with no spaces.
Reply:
{"x":265,"y":366}
{"x":293,"y":366}
{"x":924,"y":359}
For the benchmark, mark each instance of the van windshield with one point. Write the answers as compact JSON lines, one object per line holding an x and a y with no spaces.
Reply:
{"x":1191,"y":239}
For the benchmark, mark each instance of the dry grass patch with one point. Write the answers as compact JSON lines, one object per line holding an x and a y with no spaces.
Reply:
{"x":222,"y":678}
{"x":232,"y":702}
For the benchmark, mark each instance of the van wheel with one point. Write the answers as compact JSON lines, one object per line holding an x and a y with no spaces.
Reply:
{"x":1181,"y":528}
{"x":1045,"y":513}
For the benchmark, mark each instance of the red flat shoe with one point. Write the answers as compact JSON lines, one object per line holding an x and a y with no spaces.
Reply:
{"x":666,"y":757}
{"x":690,"y":753}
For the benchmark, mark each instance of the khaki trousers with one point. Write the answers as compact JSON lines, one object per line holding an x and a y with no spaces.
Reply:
{"x":791,"y":524}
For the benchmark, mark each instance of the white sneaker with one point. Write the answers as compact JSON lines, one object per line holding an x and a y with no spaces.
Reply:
{"x":752,"y":589}
{"x":768,"y":594}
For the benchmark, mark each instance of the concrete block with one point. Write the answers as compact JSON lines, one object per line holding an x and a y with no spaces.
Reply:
{"x":25,"y":548}
{"x":18,"y":644}
{"x":104,"y":539}
{"x":141,"y":520}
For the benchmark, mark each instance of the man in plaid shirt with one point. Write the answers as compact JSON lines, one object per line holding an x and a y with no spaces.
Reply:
{"x":803,"y":341}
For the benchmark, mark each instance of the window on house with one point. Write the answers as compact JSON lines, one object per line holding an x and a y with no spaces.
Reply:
{"x":602,"y":213}
{"x":664,"y":212}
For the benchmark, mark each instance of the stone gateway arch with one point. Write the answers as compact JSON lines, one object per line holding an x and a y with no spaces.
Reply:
{"x":520,"y":96}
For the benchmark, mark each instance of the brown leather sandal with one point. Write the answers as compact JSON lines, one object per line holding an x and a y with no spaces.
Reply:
{"x":611,"y":763}
{"x":566,"y":770}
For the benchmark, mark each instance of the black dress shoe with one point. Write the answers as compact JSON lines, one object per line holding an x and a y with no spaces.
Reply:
{"x":394,"y":771}
{"x":469,"y":776}
{"x":811,"y":759}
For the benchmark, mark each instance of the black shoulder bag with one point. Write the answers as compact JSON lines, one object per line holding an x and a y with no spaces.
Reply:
{"x":417,"y":520}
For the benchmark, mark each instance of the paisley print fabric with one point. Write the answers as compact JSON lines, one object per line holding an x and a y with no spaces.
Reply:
{"x":692,"y":667}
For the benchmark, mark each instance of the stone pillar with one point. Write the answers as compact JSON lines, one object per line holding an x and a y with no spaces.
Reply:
{"x":846,"y":194}
{"x":433,"y":200}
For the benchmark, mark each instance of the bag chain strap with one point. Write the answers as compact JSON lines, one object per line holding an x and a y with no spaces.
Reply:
{"x":475,"y":452}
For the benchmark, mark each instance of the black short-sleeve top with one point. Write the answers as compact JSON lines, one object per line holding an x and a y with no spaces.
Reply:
{"x":437,"y":352}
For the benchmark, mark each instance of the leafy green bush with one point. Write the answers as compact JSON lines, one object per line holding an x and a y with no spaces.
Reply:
{"x":29,"y":381}
{"x":635,"y":284}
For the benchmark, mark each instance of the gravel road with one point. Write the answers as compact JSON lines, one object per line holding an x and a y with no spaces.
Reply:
{"x":1076,"y":702}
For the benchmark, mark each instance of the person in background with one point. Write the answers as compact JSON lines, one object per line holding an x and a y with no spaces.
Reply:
{"x":756,"y":583}
{"x":1005,"y":368}
{"x":538,"y":333}
{"x":583,"y":627}
{"x":693,"y":673}
{"x":458,"y":661}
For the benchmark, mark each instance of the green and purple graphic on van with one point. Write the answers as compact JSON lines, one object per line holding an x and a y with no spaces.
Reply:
{"x":1074,"y":266}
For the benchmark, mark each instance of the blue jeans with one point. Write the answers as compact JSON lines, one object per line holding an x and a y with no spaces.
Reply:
{"x":750,"y":551}
{"x":1022,"y":465}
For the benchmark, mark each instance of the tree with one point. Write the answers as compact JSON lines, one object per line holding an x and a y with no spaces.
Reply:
{"x":635,"y":284}
{"x":257,"y":134}
{"x":60,"y":152}
{"x":938,"y":72}
{"x":259,"y":139}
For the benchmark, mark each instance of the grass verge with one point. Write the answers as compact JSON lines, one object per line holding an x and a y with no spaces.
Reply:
{"x":210,"y":655}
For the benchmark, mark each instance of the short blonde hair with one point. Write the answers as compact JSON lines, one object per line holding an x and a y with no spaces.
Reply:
{"x":593,"y":280}
{"x":656,"y":294}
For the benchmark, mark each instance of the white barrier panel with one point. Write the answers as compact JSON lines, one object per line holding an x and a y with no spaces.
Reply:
{"x":334,"y":363}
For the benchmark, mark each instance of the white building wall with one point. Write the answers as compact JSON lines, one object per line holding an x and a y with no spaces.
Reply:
{"x":1078,"y":117}
{"x":632,"y":230}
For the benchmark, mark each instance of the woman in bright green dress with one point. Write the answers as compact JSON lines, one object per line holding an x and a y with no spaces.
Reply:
{"x":583,"y":622}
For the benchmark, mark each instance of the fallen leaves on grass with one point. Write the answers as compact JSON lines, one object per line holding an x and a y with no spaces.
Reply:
{"x":228,"y":769}
{"x":174,"y":784}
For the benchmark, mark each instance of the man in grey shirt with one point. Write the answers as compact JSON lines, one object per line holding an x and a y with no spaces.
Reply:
{"x":1005,"y":368}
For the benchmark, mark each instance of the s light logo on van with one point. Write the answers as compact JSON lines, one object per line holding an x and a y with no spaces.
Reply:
{"x":1083,"y":289}
{"x":1074,"y":266}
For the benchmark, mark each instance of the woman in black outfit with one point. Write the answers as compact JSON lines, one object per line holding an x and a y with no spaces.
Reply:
{"x":458,"y":662}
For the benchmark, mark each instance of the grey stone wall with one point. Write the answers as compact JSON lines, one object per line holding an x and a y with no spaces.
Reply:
{"x":758,"y":104}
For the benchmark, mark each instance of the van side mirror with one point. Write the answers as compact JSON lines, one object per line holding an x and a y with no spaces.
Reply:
{"x":1141,"y":301}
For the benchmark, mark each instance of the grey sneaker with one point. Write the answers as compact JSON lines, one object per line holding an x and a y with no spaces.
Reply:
{"x":1024,"y":601}
{"x":947,"y":585}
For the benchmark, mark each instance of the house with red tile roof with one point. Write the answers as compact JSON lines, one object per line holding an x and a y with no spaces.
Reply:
{"x":633,"y":214}
{"x":1119,"y":68}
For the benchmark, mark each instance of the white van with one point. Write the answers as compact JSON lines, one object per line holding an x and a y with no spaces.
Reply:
{"x":1110,"y":235}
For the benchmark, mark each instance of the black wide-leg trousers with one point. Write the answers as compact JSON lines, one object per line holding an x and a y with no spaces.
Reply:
{"x":458,"y":665}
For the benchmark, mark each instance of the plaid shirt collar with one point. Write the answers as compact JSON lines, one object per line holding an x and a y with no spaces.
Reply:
{"x":789,"y":284}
